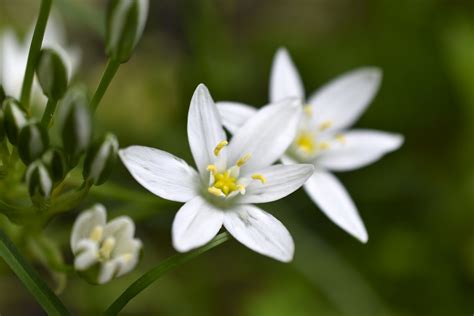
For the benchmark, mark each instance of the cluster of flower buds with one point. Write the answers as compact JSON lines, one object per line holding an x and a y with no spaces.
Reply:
{"x":38,"y":151}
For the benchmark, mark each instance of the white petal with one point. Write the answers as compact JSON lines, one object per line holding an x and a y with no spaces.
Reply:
{"x":13,"y":63}
{"x":357,"y":149}
{"x":195,"y":224}
{"x":86,"y":222}
{"x":329,"y":194}
{"x":234,"y":114}
{"x":161,"y":173}
{"x":281,"y":180}
{"x":260,"y":232}
{"x":267,"y":135}
{"x":121,"y":228}
{"x":204,"y":129}
{"x":86,"y":254}
{"x":108,"y":271}
{"x":285,"y":80}
{"x":343,"y":100}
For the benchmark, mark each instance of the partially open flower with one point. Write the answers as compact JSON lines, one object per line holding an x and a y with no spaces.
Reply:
{"x":104,"y":250}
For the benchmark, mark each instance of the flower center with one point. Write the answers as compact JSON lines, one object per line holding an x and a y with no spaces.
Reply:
{"x":105,"y":246}
{"x":226,"y":183}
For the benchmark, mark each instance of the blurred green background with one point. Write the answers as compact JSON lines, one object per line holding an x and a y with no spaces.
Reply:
{"x":417,"y":203}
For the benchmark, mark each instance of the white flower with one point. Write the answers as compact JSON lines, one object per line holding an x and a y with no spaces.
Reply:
{"x":109,"y":246}
{"x":14,"y":56}
{"x":322,"y":137}
{"x":231,"y":176}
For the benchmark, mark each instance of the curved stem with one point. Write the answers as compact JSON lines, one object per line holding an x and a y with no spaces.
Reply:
{"x":110,"y":71}
{"x":34,"y":52}
{"x":157,"y":272}
{"x":49,"y":112}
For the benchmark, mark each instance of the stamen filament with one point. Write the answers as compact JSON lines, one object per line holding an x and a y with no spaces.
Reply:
{"x":212,"y":169}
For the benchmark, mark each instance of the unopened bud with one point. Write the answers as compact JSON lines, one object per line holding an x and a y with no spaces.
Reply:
{"x":100,"y":160}
{"x":125,"y":20}
{"x":2,"y":125}
{"x":15,"y":118}
{"x":33,"y":141}
{"x":52,"y":74}
{"x":53,"y":160}
{"x":75,"y":125}
{"x":38,"y":180}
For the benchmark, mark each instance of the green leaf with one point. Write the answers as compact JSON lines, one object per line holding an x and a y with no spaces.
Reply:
{"x":43,"y":294}
{"x":157,"y":272}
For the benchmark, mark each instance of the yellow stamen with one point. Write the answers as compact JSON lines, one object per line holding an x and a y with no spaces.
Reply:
{"x":243,"y":160}
{"x":308,"y":110}
{"x":97,"y":233}
{"x":219,"y":147}
{"x":305,"y":142}
{"x":212,"y":169}
{"x":341,"y":138}
{"x":241,"y":188}
{"x":324,"y":146}
{"x":215,"y":191}
{"x":325,"y":125}
{"x":127,"y":257}
{"x":259,"y":177}
{"x":107,"y":247}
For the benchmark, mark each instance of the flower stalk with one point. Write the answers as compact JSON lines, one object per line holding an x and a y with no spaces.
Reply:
{"x":35,"y":51}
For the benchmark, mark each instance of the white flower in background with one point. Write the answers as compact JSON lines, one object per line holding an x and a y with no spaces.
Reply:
{"x":322,"y":137}
{"x":14,"y":56}
{"x":105,"y":250}
{"x":231,"y":176}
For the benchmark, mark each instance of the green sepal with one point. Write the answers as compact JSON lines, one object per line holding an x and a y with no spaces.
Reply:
{"x":15,"y":118}
{"x":52,"y":74}
{"x":100,"y":160}
{"x":125,"y":21}
{"x":33,"y":141}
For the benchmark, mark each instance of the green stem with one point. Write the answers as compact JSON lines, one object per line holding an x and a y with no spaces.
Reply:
{"x":157,"y":272}
{"x":28,"y":276}
{"x":34,"y":52}
{"x":49,"y":112}
{"x":109,"y":73}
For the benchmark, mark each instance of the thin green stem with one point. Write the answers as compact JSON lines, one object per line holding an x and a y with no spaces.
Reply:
{"x":49,"y":112}
{"x":109,"y":73}
{"x":30,"y":279}
{"x":34,"y":52}
{"x":157,"y":272}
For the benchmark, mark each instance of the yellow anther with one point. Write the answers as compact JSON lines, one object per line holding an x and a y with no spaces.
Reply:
{"x":97,"y":233}
{"x":324,"y":146}
{"x":127,"y":257}
{"x":308,"y":110}
{"x":215,"y":191}
{"x":341,"y":138}
{"x":107,"y":248}
{"x":219,"y":147}
{"x":243,"y":160}
{"x":325,"y":125}
{"x":259,"y":177}
{"x":212,"y":169}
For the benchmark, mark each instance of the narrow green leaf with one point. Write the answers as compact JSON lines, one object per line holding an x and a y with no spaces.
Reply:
{"x":43,"y":294}
{"x":157,"y":272}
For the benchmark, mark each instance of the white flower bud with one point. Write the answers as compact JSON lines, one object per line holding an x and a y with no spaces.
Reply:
{"x":102,"y":250}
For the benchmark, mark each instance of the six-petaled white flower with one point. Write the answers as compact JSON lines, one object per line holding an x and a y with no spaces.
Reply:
{"x":322,"y":138}
{"x":14,"y":56}
{"x":106,"y":250}
{"x":231,"y":175}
